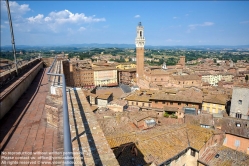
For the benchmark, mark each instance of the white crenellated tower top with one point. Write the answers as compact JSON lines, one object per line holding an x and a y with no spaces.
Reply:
{"x":140,"y":40}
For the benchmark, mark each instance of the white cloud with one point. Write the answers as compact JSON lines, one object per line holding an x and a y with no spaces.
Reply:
{"x":207,"y":24}
{"x":175,"y":17}
{"x":194,"y":26}
{"x":47,"y":19}
{"x":65,"y":16}
{"x":36,"y":19}
{"x":172,"y":41}
{"x":54,"y":21}
{"x":137,"y":16}
{"x":81,"y":29}
{"x":244,"y":22}
{"x":15,"y":8}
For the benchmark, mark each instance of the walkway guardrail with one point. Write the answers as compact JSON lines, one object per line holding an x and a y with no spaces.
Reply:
{"x":68,"y":155}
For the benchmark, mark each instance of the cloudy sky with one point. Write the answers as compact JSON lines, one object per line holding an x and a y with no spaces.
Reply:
{"x":165,"y":23}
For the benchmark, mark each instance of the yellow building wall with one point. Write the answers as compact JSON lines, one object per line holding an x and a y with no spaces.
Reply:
{"x":212,"y":108}
{"x":126,"y":66}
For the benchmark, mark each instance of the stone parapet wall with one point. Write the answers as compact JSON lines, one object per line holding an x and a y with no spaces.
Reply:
{"x":10,"y":95}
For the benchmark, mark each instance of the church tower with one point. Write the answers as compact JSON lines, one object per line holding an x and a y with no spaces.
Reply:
{"x":140,"y":41}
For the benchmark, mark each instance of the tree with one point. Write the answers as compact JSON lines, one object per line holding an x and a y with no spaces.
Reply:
{"x":246,"y":78}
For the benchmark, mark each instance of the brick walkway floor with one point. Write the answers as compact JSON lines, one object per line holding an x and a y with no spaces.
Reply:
{"x":25,"y":129}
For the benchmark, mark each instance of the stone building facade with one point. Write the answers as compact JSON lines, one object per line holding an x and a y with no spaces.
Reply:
{"x":88,"y":76}
{"x":127,"y":77}
{"x":107,"y":76}
{"x":240,"y":102}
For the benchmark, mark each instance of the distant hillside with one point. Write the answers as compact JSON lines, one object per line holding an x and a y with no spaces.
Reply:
{"x":85,"y":47}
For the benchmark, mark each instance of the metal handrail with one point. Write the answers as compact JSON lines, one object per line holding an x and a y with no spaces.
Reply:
{"x":68,"y":155}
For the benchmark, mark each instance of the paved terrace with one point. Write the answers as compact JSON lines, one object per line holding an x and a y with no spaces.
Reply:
{"x":24,"y":128}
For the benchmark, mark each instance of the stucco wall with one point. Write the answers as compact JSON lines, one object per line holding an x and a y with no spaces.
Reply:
{"x":185,"y":158}
{"x":243,"y":143}
{"x":213,"y":108}
{"x":102,"y":103}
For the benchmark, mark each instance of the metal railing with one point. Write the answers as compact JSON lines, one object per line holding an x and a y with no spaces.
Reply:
{"x":68,"y":155}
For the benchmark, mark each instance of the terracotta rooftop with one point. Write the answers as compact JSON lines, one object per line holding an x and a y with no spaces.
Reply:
{"x":206,"y":119}
{"x":118,"y":102}
{"x":102,"y":69}
{"x":187,"y":77}
{"x":229,"y":125}
{"x":170,"y":109}
{"x":158,"y":71}
{"x":162,"y":142}
{"x":216,"y":99}
{"x":224,"y":156}
{"x":241,"y":85}
{"x":184,"y":94}
{"x":177,"y":97}
{"x":138,"y":96}
{"x":116,"y":91}
{"x":104,"y":96}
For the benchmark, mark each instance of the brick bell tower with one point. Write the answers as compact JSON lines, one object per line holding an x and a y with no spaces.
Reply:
{"x":140,"y":41}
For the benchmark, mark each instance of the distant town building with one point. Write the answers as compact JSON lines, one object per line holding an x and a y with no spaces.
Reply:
{"x":107,"y":76}
{"x":127,"y":76}
{"x":231,"y":63}
{"x":213,"y":79}
{"x":181,"y":61}
{"x":82,"y":74}
{"x":133,"y":59}
{"x":164,"y":67}
{"x":168,"y":100}
{"x":124,"y":66}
